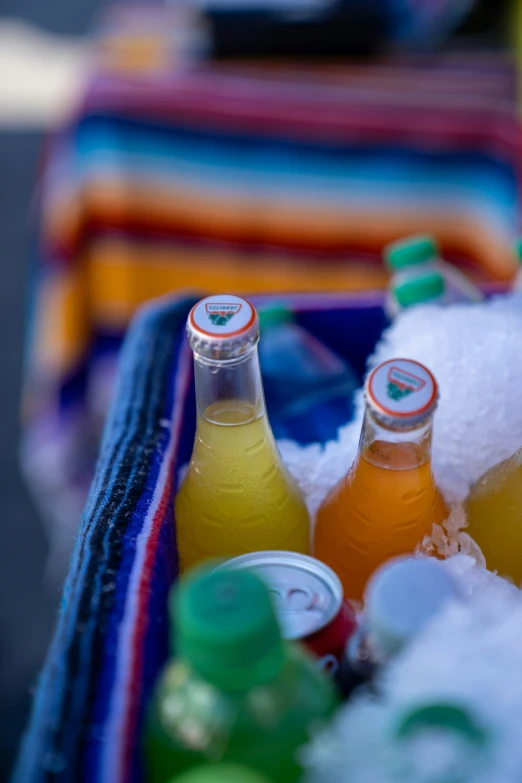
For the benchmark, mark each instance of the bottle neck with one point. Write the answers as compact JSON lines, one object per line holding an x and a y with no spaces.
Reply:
{"x":396,"y":449}
{"x":229,"y":391}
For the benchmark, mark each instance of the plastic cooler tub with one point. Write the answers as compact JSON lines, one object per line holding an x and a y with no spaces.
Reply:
{"x":111,"y":636}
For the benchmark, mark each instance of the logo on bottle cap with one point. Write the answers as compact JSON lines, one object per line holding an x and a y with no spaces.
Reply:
{"x":401,"y":388}
{"x":222,"y":316}
{"x":220,"y":313}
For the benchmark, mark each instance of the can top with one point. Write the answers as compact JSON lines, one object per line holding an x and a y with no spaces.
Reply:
{"x":307,"y":593}
{"x":401,"y":391}
{"x":222,"y":326}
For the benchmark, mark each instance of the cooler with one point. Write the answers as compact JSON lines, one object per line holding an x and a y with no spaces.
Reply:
{"x":111,"y":636}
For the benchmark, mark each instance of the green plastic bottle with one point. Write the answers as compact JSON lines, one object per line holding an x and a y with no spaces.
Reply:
{"x":426,"y":288}
{"x":459,"y":743}
{"x":420,"y":255}
{"x":517,"y":281}
{"x":221,"y":773}
{"x":235,"y":692}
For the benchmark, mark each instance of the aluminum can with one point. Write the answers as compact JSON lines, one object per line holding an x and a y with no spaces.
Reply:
{"x":309,"y":601}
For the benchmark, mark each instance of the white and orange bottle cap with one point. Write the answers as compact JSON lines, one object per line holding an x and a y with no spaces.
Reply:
{"x":401,"y":391}
{"x":222,"y":327}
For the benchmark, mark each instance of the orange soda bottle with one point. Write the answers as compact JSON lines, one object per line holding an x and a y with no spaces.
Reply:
{"x":388,"y":501}
{"x":237,"y":496}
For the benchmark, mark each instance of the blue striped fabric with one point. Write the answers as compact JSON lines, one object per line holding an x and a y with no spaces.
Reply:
{"x":111,"y":635}
{"x":350,"y":174}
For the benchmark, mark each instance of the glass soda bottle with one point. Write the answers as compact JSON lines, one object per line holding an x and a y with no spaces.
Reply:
{"x":236,"y":691}
{"x":494,"y":513}
{"x":388,"y":501}
{"x":237,"y":496}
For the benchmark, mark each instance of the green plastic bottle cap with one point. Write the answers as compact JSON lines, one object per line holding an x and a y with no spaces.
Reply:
{"x":411,"y":251}
{"x":518,"y":250}
{"x":443,"y":715}
{"x":226,"y":628}
{"x":274,"y":315}
{"x":221,"y":773}
{"x":422,"y":288}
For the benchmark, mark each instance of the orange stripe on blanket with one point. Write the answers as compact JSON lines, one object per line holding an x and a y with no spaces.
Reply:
{"x":123,"y":276}
{"x":238,"y":219}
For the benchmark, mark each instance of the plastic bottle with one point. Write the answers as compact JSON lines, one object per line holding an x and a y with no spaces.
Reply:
{"x":439,"y":742}
{"x":424,"y":288}
{"x":402,"y":596}
{"x":517,"y":282}
{"x":309,"y":389}
{"x":237,"y":496}
{"x":221,"y":773}
{"x":235,"y":692}
{"x":388,"y":501}
{"x":494,"y":513}
{"x":420,"y":254}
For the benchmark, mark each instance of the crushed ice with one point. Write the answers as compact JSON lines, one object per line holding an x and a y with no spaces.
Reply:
{"x":470,"y":655}
{"x":475,"y":352}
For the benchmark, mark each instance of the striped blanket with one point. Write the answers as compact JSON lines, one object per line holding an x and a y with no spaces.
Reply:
{"x":111,"y":636}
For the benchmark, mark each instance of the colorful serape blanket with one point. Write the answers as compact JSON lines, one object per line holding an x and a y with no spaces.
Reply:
{"x":111,"y":636}
{"x":244,"y":177}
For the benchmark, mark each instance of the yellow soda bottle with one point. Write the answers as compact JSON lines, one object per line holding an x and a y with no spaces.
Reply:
{"x":388,"y":501}
{"x":237,"y":496}
{"x":494,"y":510}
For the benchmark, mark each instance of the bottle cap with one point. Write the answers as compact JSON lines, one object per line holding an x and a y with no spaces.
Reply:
{"x":221,"y":773}
{"x":222,"y":327}
{"x":401,"y":597}
{"x":275,"y":314}
{"x":419,"y":289}
{"x":401,"y":392}
{"x":226,"y":628}
{"x":442,"y":715}
{"x":410,"y":251}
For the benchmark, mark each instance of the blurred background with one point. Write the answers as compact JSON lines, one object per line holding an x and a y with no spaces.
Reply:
{"x":42,"y":54}
{"x":86,"y":114}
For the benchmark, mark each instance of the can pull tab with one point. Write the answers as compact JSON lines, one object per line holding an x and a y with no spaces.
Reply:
{"x":328,"y":664}
{"x":296,"y":599}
